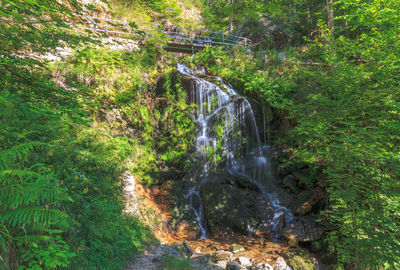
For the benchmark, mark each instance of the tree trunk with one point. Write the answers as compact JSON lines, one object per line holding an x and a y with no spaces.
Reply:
{"x":231,"y":18}
{"x":329,"y":11}
{"x":230,"y":24}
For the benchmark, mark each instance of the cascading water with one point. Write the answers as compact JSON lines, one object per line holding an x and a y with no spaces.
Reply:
{"x":228,"y":130}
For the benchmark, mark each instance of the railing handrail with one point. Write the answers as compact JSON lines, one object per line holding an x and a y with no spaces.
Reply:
{"x":162,"y":25}
{"x":183,"y":34}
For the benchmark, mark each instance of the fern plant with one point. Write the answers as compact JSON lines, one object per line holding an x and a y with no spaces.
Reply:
{"x":30,"y":194}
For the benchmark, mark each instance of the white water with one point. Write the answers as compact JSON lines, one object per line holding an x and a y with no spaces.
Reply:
{"x":228,"y":128}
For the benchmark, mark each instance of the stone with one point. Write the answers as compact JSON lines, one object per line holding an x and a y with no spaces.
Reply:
{"x":200,"y":260}
{"x":235,"y":248}
{"x":300,"y":259}
{"x":189,"y":247}
{"x":280,"y":264}
{"x":244,"y":261}
{"x":230,"y":208}
{"x":302,"y":229}
{"x":262,"y":266}
{"x":222,"y":255}
{"x":221,"y":264}
{"x":234,"y":266}
{"x":165,"y":250}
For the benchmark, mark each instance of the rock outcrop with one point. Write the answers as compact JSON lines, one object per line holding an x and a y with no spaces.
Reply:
{"x":301,"y":229}
{"x":234,"y":205}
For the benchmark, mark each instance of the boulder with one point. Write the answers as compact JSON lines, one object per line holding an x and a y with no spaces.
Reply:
{"x":165,"y":250}
{"x":200,"y":260}
{"x":222,"y":255}
{"x":230,"y":207}
{"x":300,"y":259}
{"x":244,"y":261}
{"x":234,"y":266}
{"x":189,"y":248}
{"x":235,"y":248}
{"x":280,"y":264}
{"x":301,"y":229}
{"x":262,"y":266}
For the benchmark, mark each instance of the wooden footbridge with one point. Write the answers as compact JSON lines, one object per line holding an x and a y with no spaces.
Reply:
{"x":177,"y":39}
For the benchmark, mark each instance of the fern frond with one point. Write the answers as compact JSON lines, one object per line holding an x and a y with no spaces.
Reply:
{"x":15,"y":176}
{"x":18,"y":151}
{"x":13,"y":196}
{"x":5,"y":238}
{"x":35,"y":216}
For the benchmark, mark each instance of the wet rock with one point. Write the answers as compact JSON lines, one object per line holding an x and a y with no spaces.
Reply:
{"x":244,"y":261}
{"x":302,"y":229}
{"x":262,"y":266}
{"x":230,"y":208}
{"x":246,"y":183}
{"x":280,"y":264}
{"x":234,"y":266}
{"x":222,"y":255}
{"x":235,"y":248}
{"x":281,"y":223}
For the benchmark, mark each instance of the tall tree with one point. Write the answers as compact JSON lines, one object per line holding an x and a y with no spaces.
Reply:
{"x":329,"y":11}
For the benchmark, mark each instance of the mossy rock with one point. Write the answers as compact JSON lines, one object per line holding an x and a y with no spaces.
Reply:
{"x":235,"y":248}
{"x":299,"y":259}
{"x":230,"y":208}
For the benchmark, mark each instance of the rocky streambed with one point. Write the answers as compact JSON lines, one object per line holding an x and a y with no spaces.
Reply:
{"x":225,"y":254}
{"x":220,"y":251}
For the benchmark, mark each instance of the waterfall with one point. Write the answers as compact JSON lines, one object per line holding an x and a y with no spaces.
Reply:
{"x":228,"y":129}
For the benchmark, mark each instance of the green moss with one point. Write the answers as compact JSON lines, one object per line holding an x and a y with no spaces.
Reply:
{"x":299,"y":259}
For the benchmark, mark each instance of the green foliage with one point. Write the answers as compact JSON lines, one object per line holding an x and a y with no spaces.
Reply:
{"x":30,"y":192}
{"x":297,"y":17}
{"x":157,"y":123}
{"x":245,"y":73}
{"x":347,"y":118}
{"x":61,"y":196}
{"x":346,"y":114}
{"x":157,"y":10}
{"x":217,"y":13}
{"x":44,"y":251}
{"x":35,"y":202}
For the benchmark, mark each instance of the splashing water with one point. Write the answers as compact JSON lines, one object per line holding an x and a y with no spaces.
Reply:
{"x":228,"y":128}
